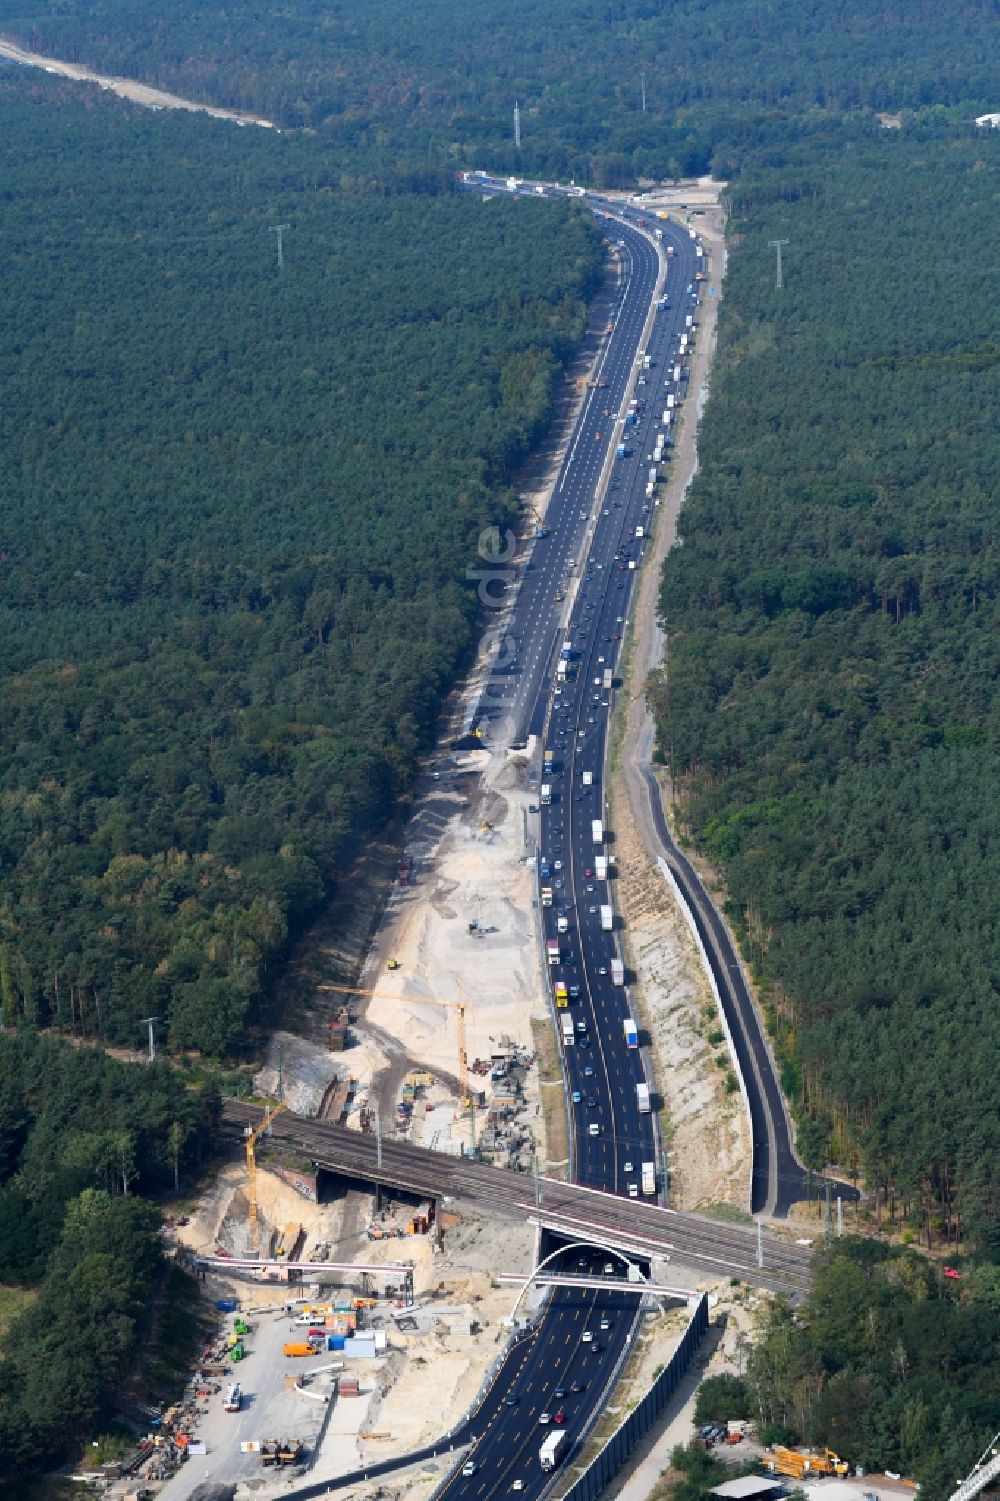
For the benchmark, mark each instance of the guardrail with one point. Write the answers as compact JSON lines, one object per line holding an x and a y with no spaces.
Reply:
{"x":609,"y":1460}
{"x":706,"y":963}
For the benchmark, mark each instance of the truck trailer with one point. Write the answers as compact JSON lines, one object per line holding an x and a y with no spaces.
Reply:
{"x":631,"y":1033}
{"x":550,"y":1452}
{"x":552,"y":949}
{"x":601,"y":867}
{"x":597,"y":832}
{"x":617,"y":972}
{"x":649,"y":1178}
{"x":607,"y":920}
{"x":568,"y":1032}
{"x":642,"y":1098}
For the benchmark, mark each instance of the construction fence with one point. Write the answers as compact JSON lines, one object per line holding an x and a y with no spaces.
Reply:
{"x":609,"y":1460}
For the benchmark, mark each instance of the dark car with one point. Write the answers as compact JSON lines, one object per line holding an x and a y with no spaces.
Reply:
{"x":511,"y":1399}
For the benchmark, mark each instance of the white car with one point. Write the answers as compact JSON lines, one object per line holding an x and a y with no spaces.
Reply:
{"x":587,"y":1336}
{"x":469,"y":1468}
{"x":544,"y":1419}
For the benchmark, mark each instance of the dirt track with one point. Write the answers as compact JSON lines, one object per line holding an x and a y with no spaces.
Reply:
{"x":127,"y":88}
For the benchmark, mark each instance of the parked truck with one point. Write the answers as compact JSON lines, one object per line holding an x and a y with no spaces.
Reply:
{"x":597,"y":832}
{"x":607,"y":919}
{"x":617,"y":972}
{"x":642,"y":1098}
{"x":300,"y":1347}
{"x":649,"y":1178}
{"x":551,"y":1451}
{"x":631,"y":1033}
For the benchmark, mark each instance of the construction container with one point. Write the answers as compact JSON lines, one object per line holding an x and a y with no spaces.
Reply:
{"x":336,"y":1341}
{"x":359,"y":1347}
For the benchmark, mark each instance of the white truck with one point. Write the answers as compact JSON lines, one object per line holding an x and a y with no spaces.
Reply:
{"x":608,"y":679}
{"x":562,"y":924}
{"x":552,"y":949}
{"x":671,"y":403}
{"x":631,"y":1033}
{"x":607,"y":920}
{"x":597,"y":833}
{"x":545,"y":797}
{"x":588,"y":779}
{"x":551,"y":1451}
{"x":601,"y":867}
{"x":689,"y":321}
{"x":677,"y":375}
{"x":561,"y":670}
{"x":617,"y":972}
{"x":642,"y":1098}
{"x":568,"y":1034}
{"x":649,"y":1177}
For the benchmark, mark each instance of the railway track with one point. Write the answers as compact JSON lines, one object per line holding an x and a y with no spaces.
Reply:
{"x":703,"y":1245}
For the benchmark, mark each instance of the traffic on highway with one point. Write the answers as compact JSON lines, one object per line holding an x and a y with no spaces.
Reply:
{"x":555,"y":678}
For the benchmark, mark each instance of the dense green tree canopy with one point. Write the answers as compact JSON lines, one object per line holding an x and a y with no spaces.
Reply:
{"x":418,"y":80}
{"x":831,"y":705}
{"x":237,"y":508}
{"x":889,"y":1363}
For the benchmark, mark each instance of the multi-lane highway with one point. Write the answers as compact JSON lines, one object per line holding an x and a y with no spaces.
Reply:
{"x":576,"y":589}
{"x":572,"y":602}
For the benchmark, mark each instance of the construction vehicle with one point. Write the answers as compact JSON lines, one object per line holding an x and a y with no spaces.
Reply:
{"x":393,"y":964}
{"x":253,"y":1135}
{"x":425,"y":1000}
{"x":541,"y":530}
{"x":797,"y":1463}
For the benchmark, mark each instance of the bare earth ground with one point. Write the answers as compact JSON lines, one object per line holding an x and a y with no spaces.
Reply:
{"x":705,"y":1133}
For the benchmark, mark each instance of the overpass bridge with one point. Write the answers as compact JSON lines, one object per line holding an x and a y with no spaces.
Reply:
{"x":636,"y":1227}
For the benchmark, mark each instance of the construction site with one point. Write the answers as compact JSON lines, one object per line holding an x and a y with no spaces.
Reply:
{"x":431,"y":1022}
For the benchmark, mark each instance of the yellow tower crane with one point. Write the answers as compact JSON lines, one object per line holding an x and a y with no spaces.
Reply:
{"x":252,"y":1135}
{"x":465,"y":1099}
